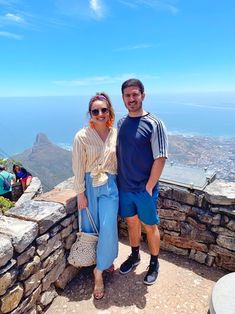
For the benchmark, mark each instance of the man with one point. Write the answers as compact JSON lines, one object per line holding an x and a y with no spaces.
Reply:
{"x":5,"y":187}
{"x":141,"y":151}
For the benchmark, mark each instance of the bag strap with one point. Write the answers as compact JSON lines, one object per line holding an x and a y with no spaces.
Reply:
{"x":90,"y":218}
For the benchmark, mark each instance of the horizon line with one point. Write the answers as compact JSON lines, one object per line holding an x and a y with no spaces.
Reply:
{"x":119,"y":94}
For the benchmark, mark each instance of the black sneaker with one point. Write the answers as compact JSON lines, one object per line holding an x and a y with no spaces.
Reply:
{"x":152,"y":273}
{"x":129,"y":264}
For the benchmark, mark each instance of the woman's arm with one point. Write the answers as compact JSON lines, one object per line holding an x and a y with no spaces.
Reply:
{"x":79,"y":168}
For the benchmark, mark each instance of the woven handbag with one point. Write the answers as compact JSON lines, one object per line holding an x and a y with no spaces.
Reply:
{"x":83,"y":251}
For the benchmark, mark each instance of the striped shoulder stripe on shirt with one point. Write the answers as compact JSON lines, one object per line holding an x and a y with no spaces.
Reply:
{"x":119,"y":124}
{"x":161,"y":133}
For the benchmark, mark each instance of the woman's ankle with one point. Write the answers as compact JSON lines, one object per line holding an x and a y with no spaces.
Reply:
{"x":98,"y":274}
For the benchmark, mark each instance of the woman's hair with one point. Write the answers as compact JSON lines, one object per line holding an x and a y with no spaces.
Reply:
{"x":103,"y":97}
{"x":14,"y":167}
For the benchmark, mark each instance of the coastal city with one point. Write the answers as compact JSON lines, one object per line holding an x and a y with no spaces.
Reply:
{"x":213,"y":153}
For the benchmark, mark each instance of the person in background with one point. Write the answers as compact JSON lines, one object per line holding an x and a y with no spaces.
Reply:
{"x":95,"y":168}
{"x":7,"y":193}
{"x":141,"y":151}
{"x":22,"y":175}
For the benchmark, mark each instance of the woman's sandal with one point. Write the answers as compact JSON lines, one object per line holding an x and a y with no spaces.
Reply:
{"x":98,"y":292}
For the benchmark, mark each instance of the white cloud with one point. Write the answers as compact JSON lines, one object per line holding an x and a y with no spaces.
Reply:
{"x":96,"y":7}
{"x":11,"y":19}
{"x":134,"y":47}
{"x":128,"y":4}
{"x":92,"y":9}
{"x":6,"y":2}
{"x":163,"y":5}
{"x":10,"y":35}
{"x":14,"y":18}
{"x":173,"y":9}
{"x":86,"y":81}
{"x":97,"y":80}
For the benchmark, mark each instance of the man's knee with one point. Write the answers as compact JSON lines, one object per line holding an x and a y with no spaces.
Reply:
{"x":133,"y":221}
{"x":151,"y":228}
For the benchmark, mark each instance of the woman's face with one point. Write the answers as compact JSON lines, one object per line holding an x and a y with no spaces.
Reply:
{"x":17,"y":169}
{"x":99,"y":112}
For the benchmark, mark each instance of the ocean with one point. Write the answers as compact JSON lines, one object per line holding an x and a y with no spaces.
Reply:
{"x":206,"y":114}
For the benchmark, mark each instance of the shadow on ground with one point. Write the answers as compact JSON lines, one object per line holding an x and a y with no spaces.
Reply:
{"x":120,"y":290}
{"x":202,"y":270}
{"x":128,"y":290}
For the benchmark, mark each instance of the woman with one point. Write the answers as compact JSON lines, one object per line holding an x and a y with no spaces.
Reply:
{"x":6,"y":189}
{"x":22,"y":175}
{"x":95,"y":168}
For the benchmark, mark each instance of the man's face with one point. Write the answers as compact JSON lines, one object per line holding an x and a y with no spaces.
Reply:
{"x":133,"y":98}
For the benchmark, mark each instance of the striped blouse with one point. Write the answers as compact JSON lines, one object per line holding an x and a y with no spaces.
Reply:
{"x":91,"y":154}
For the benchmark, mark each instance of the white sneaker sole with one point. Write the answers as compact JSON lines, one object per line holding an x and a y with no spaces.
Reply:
{"x":129,"y":270}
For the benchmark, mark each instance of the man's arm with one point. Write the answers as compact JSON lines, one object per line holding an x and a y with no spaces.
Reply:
{"x":155,"y":174}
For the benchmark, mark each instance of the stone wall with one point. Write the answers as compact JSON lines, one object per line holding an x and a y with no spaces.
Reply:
{"x":200,"y":225}
{"x":35,"y":241}
{"x":20,"y":197}
{"x":36,"y":237}
{"x":17,"y":191}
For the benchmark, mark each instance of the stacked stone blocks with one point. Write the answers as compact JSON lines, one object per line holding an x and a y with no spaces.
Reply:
{"x":200,"y":225}
{"x":36,"y":238}
{"x":197,"y":224}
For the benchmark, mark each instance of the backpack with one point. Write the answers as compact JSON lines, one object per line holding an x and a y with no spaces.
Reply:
{"x":6,"y":183}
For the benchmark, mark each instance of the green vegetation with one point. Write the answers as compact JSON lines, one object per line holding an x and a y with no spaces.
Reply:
{"x":5,"y":204}
{"x":8,"y":163}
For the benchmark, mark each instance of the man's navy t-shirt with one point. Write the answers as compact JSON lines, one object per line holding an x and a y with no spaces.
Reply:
{"x":141,"y":140}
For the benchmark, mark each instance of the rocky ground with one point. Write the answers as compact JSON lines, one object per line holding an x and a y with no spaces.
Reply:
{"x":183,"y":287}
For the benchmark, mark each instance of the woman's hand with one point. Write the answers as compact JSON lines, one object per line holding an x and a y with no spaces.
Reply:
{"x":81,"y":200}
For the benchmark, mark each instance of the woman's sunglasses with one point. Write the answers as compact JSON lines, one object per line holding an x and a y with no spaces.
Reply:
{"x":96,"y":112}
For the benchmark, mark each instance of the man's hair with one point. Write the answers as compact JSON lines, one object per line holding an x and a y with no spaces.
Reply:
{"x":133,"y":82}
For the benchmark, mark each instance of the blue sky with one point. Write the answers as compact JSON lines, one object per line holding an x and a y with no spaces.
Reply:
{"x":75,"y":47}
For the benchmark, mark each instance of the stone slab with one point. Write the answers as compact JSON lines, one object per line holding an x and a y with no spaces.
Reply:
{"x":21,"y":232}
{"x":35,"y":186}
{"x":6,"y":249}
{"x":66,"y":185}
{"x":26,"y":197}
{"x":46,"y":214}
{"x":189,"y":177}
{"x":67,"y":197}
{"x":221,"y":192}
{"x":7,"y":266}
{"x":11,"y":300}
{"x":222,"y":297}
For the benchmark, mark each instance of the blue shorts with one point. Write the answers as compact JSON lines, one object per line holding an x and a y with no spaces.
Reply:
{"x":141,"y":204}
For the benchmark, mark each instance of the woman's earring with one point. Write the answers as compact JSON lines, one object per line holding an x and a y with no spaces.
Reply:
{"x":91,"y":123}
{"x":109,"y":123}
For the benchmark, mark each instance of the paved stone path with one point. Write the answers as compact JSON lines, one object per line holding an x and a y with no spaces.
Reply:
{"x":183,"y":287}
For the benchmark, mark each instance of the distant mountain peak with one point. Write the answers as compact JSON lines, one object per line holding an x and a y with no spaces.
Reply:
{"x":49,"y":162}
{"x":42,"y":139}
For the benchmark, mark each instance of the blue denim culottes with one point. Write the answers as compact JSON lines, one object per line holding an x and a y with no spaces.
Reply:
{"x":103,"y":205}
